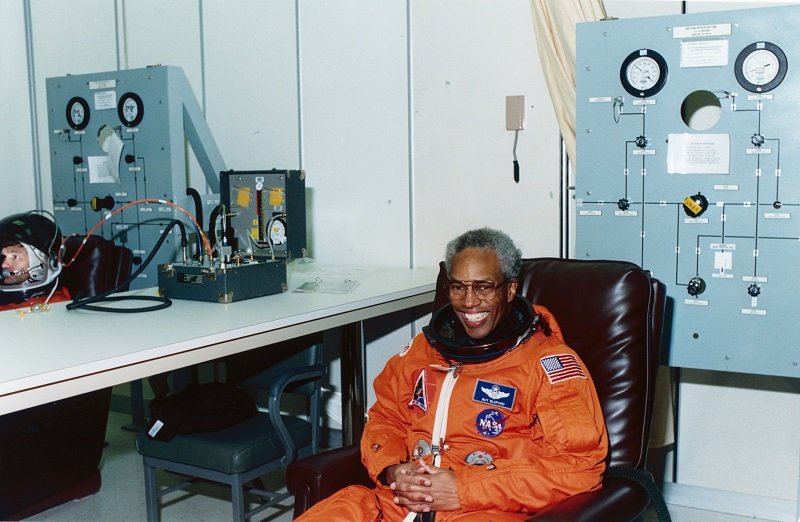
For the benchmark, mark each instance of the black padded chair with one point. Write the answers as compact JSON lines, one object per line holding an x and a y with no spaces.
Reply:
{"x":612,"y":314}
{"x":240,"y":454}
{"x":49,"y":454}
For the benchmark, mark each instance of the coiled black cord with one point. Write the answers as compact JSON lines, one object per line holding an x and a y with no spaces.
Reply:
{"x":163,"y":302}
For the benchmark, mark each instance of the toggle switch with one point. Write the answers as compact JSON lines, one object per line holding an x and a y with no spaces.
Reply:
{"x":100,"y":203}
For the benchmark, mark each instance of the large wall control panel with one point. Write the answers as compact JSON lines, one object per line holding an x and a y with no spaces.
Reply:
{"x":688,"y":163}
{"x":119,"y":137}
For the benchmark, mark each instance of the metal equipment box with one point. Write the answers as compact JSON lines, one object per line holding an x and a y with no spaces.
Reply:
{"x":234,"y":282}
{"x":266,"y":212}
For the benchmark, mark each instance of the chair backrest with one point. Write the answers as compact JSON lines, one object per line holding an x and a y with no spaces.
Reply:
{"x":100,"y":266}
{"x":612,"y":314}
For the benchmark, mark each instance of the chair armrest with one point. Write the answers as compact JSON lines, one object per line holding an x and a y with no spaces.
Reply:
{"x":302,"y":373}
{"x":317,"y":477}
{"x":619,"y":500}
{"x":276,"y":388}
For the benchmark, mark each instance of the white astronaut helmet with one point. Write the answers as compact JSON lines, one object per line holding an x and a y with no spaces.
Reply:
{"x":41,"y":240}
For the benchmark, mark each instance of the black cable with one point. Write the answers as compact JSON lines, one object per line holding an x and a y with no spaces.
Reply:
{"x":164,"y":302}
{"x":645,"y":480}
{"x":516,"y":163}
{"x":198,"y":204}
{"x":212,"y":225}
{"x":198,"y":212}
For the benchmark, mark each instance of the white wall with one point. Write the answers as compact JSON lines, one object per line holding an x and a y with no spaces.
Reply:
{"x":467,"y":57}
{"x":395,"y":108}
{"x":19,"y":191}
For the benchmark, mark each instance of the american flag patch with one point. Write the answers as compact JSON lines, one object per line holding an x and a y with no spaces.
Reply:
{"x":562,"y":367}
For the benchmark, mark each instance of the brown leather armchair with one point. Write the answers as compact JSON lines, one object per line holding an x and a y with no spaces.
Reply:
{"x":49,"y":454}
{"x":612,"y":314}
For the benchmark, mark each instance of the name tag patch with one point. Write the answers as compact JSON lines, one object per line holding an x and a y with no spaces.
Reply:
{"x":494,"y":394}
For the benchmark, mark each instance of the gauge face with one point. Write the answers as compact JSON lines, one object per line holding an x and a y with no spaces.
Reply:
{"x":643,"y":73}
{"x":77,"y":113}
{"x":760,"y":67}
{"x":130,"y":109}
{"x":277,"y":232}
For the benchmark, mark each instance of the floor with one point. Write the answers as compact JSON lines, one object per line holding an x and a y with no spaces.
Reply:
{"x":121,"y":498}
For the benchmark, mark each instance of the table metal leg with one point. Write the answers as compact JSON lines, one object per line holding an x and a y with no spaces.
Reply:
{"x":353,"y":389}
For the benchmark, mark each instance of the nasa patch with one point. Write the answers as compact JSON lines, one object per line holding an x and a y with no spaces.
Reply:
{"x":494,"y":394}
{"x":490,"y":423}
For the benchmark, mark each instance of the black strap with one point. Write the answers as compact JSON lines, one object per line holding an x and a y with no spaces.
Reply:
{"x":645,"y":480}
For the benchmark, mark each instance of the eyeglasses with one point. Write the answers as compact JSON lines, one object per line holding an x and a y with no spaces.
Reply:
{"x":482,"y":289}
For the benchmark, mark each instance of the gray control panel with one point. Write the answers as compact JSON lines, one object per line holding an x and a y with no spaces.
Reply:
{"x":688,"y":164}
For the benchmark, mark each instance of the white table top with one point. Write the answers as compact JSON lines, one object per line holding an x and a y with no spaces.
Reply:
{"x":56,"y":354}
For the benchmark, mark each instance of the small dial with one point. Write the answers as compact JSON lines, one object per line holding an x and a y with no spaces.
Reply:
{"x":277,"y":232}
{"x":130,"y":109}
{"x":760,"y":67}
{"x":643,"y":73}
{"x":77,"y":113}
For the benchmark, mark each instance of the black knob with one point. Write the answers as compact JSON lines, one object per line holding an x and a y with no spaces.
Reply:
{"x":77,"y":160}
{"x":696,"y":286}
{"x":624,"y":204}
{"x":130,"y":158}
{"x":695,"y":205}
{"x":72,"y":202}
{"x":754,"y":290}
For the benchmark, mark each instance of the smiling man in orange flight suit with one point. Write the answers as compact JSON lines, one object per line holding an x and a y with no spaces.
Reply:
{"x":485,"y":416}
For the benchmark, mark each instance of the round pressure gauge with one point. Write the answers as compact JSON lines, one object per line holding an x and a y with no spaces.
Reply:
{"x":77,"y":113}
{"x":277,"y":232}
{"x":130,"y":109}
{"x":760,"y":67}
{"x":643,"y":73}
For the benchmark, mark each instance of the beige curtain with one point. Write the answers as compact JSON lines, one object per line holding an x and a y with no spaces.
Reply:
{"x":554,"y":22}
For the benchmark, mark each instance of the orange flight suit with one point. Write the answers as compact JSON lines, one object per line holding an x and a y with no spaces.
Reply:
{"x":529,"y":422}
{"x":62,"y":294}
